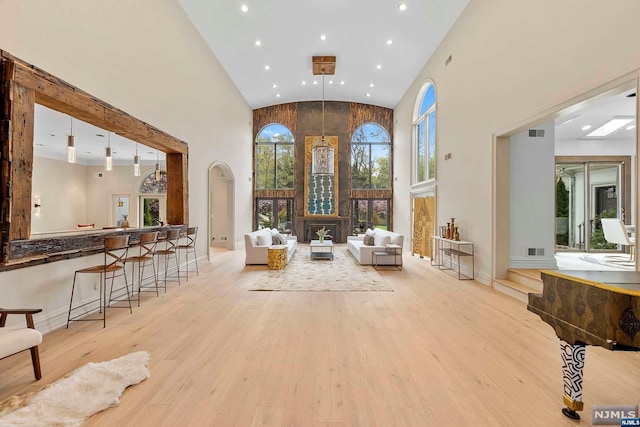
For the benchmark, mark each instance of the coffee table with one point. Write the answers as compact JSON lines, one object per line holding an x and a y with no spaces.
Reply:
{"x":321,"y":250}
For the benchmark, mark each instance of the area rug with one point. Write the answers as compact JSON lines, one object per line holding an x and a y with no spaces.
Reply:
{"x":74,"y":398}
{"x":620,"y":262}
{"x":343,"y":274}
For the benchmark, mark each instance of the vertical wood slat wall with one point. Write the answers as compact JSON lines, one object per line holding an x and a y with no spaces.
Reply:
{"x":22,"y":85}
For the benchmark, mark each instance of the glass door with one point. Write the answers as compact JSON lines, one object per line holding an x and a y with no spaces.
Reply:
{"x":586,"y":192}
{"x":153,"y":210}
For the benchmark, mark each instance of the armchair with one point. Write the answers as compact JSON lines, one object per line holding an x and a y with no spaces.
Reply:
{"x":13,"y":341}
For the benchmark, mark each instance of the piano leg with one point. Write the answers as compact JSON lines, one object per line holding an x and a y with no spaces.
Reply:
{"x":572,"y":364}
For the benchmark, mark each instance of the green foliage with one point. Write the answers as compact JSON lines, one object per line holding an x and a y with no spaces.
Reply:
{"x":597,"y":236}
{"x":562,"y":199}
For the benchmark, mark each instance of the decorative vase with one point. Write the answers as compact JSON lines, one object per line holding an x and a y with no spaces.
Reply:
{"x":448,"y":231}
{"x":457,"y":235}
{"x":452,"y":229}
{"x":321,"y":238}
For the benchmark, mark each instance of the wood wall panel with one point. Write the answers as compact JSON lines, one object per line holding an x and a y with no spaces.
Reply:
{"x":286,"y":114}
{"x":178,"y":188}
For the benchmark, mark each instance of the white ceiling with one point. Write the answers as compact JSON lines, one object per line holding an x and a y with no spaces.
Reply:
{"x":290,"y":30}
{"x":356,"y":33}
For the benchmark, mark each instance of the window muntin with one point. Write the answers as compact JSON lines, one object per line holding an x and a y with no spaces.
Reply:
{"x":425,"y":137}
{"x":370,"y":157}
{"x":275,"y":158}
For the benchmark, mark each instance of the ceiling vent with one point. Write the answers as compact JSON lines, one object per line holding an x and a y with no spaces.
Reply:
{"x":536,"y":133}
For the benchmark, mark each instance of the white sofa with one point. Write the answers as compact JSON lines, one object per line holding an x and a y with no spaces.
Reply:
{"x":256,"y":246}
{"x":364,"y":253}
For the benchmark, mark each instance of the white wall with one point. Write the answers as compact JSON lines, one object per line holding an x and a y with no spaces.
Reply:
{"x":582,"y":147}
{"x":532,"y":195}
{"x":145,"y":58}
{"x":511,"y":61}
{"x":62,"y":190}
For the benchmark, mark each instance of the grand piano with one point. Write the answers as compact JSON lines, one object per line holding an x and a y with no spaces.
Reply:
{"x":588,"y":308}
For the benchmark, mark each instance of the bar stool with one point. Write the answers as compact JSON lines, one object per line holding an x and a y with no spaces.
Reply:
{"x":115,"y":255}
{"x":169,"y":250}
{"x":146,"y":248}
{"x":190,"y":246}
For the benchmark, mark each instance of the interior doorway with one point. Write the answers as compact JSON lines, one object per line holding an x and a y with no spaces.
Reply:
{"x":221,"y":222}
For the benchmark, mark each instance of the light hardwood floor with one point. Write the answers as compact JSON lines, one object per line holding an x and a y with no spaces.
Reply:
{"x":435,"y":352}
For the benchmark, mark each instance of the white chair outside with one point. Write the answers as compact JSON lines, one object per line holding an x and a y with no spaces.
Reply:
{"x":616,"y":232}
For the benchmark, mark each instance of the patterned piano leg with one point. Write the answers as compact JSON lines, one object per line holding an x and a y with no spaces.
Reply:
{"x":572,"y":364}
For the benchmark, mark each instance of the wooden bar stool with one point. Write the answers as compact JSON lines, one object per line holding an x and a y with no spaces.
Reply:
{"x":169,"y":250}
{"x":190,"y":246}
{"x":146,"y":248}
{"x":115,"y":255}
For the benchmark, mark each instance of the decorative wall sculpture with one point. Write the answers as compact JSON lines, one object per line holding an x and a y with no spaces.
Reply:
{"x":320,"y":191}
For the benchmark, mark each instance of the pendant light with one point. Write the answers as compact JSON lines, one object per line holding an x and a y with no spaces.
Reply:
{"x":136,"y":163}
{"x":157,"y":166}
{"x":108,"y":160}
{"x":322,"y":154}
{"x":71,"y":145}
{"x":120,"y":203}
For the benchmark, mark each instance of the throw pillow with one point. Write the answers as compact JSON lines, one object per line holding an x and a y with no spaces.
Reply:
{"x":278,"y":239}
{"x":381,"y":239}
{"x":370,"y":232}
{"x":274,"y":231}
{"x":264,"y":239}
{"x":368,"y":240}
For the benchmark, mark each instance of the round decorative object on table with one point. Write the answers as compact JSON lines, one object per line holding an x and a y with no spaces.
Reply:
{"x":277,"y":257}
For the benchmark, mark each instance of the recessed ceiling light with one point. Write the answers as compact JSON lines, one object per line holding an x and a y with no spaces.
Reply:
{"x":330,"y":82}
{"x":389,"y":42}
{"x":315,"y":82}
{"x":244,"y":8}
{"x":402,"y":7}
{"x":323,"y":37}
{"x":277,"y":95}
{"x":368,"y":95}
{"x":370,"y":84}
{"x":587,"y":127}
{"x":610,"y":127}
{"x":266,"y":67}
{"x":275,"y":85}
{"x":304,"y":83}
{"x":341,"y":82}
{"x":258,"y":43}
{"x":631,"y":127}
{"x":379,"y":67}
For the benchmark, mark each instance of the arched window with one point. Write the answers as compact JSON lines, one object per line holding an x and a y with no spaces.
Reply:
{"x":425,"y":136}
{"x":370,"y":157}
{"x":274,"y":157}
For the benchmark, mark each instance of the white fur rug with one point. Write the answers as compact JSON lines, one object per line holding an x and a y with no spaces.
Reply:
{"x":74,"y":398}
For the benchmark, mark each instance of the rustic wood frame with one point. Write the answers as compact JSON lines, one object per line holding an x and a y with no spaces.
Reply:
{"x":22,"y":85}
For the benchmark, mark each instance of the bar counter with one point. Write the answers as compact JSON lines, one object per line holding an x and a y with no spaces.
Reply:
{"x":57,"y":246}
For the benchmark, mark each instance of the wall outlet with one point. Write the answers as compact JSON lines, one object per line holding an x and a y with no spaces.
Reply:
{"x":223,"y":237}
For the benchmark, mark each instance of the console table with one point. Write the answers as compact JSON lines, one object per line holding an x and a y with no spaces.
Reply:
{"x":450,"y":255}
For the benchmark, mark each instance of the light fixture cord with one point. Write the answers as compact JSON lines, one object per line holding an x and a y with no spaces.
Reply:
{"x":71,"y":125}
{"x":323,"y":105}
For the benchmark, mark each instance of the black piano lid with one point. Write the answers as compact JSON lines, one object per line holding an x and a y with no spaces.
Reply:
{"x":624,"y":282}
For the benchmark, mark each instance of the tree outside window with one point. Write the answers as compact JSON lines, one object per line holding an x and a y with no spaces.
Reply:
{"x":274,"y":158}
{"x":370,"y":157}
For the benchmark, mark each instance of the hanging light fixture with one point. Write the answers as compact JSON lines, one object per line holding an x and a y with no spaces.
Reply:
{"x":322,"y":153}
{"x":71,"y":145}
{"x":158,"y":166}
{"x":120,"y":203}
{"x":108,"y":160}
{"x":136,"y":163}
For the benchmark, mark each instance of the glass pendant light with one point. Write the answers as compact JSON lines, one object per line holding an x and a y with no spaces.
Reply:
{"x":108,"y":160}
{"x":136,"y":163}
{"x":71,"y":145}
{"x":157,"y":173}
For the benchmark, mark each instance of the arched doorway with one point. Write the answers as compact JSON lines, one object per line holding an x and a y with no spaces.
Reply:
{"x":221,"y":222}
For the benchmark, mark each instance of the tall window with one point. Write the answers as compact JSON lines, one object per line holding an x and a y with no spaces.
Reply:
{"x":275,"y":213}
{"x":425,"y":136}
{"x":370,"y":157}
{"x":370,"y":213}
{"x":274,"y":157}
